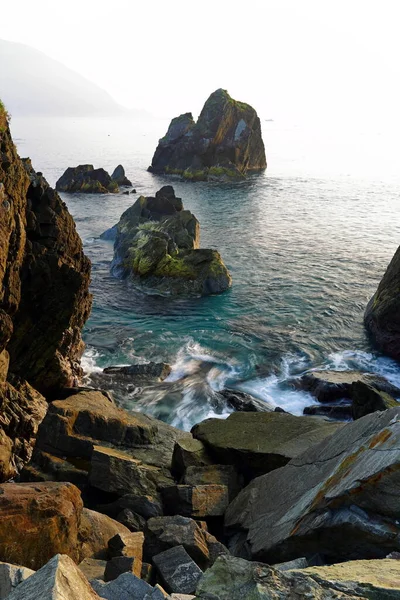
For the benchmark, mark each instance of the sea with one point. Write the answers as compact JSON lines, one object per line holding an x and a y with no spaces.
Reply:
{"x":306,"y":242}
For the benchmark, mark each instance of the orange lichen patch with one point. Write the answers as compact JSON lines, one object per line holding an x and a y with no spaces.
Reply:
{"x":380,"y":438}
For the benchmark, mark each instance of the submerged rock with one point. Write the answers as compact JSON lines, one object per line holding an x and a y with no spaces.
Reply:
{"x":338,"y":499}
{"x":87,"y":180}
{"x":120,"y":178}
{"x":157,"y":245}
{"x":225,"y":142}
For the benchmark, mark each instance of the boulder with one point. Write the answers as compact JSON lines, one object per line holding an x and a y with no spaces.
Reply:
{"x":59,"y":579}
{"x":157,"y":245}
{"x":195,"y":500}
{"x":225,"y":142}
{"x":38,"y":521}
{"x":342,"y":411}
{"x":260,"y":442}
{"x":122,"y":564}
{"x":178,"y":572}
{"x":382,"y":315}
{"x":127,"y":587}
{"x":10,"y":577}
{"x":233,"y":578}
{"x":240,"y":401}
{"x":144,"y":506}
{"x":140,"y":374}
{"x":338,"y":499}
{"x":93,"y":568}
{"x":367,"y":399}
{"x":85,"y":179}
{"x":120,"y":178}
{"x":374,"y":579}
{"x":129,"y":545}
{"x":328,"y":386}
{"x":188,"y":452}
{"x":95,"y":532}
{"x":44,"y":277}
{"x":133,"y":521}
{"x":215,"y":474}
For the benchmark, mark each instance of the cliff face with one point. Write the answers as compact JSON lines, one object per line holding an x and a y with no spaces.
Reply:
{"x":44,"y":300}
{"x":225,"y":142}
{"x":382,"y":316}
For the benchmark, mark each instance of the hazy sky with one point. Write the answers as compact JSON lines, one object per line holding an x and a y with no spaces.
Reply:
{"x":298,"y":59}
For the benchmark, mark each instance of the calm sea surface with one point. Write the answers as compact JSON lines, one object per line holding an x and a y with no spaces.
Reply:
{"x":307,"y":243}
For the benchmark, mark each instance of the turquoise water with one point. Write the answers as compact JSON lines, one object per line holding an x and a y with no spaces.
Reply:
{"x":306,"y":243}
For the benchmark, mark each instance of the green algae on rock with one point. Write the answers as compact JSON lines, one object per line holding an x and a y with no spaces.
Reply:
{"x":224,"y":144}
{"x":157,"y":245}
{"x":88,"y":180}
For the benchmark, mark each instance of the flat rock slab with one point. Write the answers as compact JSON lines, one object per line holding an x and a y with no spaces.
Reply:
{"x":59,"y":579}
{"x":259,"y":442}
{"x":339,"y":499}
{"x":10,"y":577}
{"x":178,"y":571}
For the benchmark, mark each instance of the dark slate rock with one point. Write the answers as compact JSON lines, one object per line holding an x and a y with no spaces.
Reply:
{"x":178,"y":571}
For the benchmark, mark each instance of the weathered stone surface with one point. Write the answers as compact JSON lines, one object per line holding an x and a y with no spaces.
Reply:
{"x":215,"y":474}
{"x":367,"y":399}
{"x":328,"y":386}
{"x":241,"y":401}
{"x":237,"y":579}
{"x":145,"y":506}
{"x":93,"y":568}
{"x":297,"y":563}
{"x":4,"y":363}
{"x":59,"y":579}
{"x":85,"y":179}
{"x":342,"y":411}
{"x":260,"y":442}
{"x":195,"y":501}
{"x":157,"y":245}
{"x":128,"y":544}
{"x":374,"y":579}
{"x":37,"y":521}
{"x":10,"y":577}
{"x":122,"y":564}
{"x":162,"y":533}
{"x":44,"y":276}
{"x":382,"y":315}
{"x":339,"y":498}
{"x":189,"y":452}
{"x":178,"y":571}
{"x":119,"y":177}
{"x":225,"y":142}
{"x":126,"y":587}
{"x":46,"y":467}
{"x":133,"y":521}
{"x":95,"y":532}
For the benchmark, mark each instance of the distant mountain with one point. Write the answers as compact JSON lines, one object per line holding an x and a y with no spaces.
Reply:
{"x":32,"y":83}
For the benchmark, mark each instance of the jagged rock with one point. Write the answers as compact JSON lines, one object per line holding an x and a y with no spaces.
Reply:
{"x":297,"y":563}
{"x":215,"y":474}
{"x":225,"y":142}
{"x":10,"y":577}
{"x":241,"y":401}
{"x":95,"y":532}
{"x":133,"y":521}
{"x":367,"y":399}
{"x":44,"y":277}
{"x":233,"y":578}
{"x":127,"y":587}
{"x":87,"y":180}
{"x":189,"y":452}
{"x":4,"y":364}
{"x":195,"y":500}
{"x":93,"y":568}
{"x":339,"y":498}
{"x":122,"y":564}
{"x":59,"y":579}
{"x":260,"y":442}
{"x":382,"y":315}
{"x":128,"y":545}
{"x":145,"y":506}
{"x":47,"y":467}
{"x":119,"y":177}
{"x":179,"y":573}
{"x":374,"y":579}
{"x":328,"y":386}
{"x":37,"y":521}
{"x":157,"y":245}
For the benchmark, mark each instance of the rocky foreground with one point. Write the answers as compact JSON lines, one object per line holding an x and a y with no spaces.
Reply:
{"x":224,"y":144}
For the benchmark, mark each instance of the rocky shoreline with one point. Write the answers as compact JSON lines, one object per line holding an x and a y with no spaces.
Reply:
{"x":99,"y":502}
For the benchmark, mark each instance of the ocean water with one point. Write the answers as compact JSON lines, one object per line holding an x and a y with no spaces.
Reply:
{"x":307,"y":243}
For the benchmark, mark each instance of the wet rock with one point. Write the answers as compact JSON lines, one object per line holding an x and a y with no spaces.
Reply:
{"x":133,"y":521}
{"x":59,"y":579}
{"x":339,"y":412}
{"x":157,"y":245}
{"x":233,"y":578}
{"x":93,"y":568}
{"x":122,"y":564}
{"x":367,"y":399}
{"x":328,"y":386}
{"x":37,"y":521}
{"x":225,"y":142}
{"x":241,"y":401}
{"x":119,"y":177}
{"x":260,"y":442}
{"x":195,"y":501}
{"x":177,"y":570}
{"x":140,"y":374}
{"x":10,"y":577}
{"x":338,"y":498}
{"x":95,"y":532}
{"x":85,"y":179}
{"x":126,"y":587}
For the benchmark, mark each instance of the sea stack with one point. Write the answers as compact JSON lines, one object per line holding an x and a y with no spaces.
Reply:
{"x":382,"y":316}
{"x":225,"y":143}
